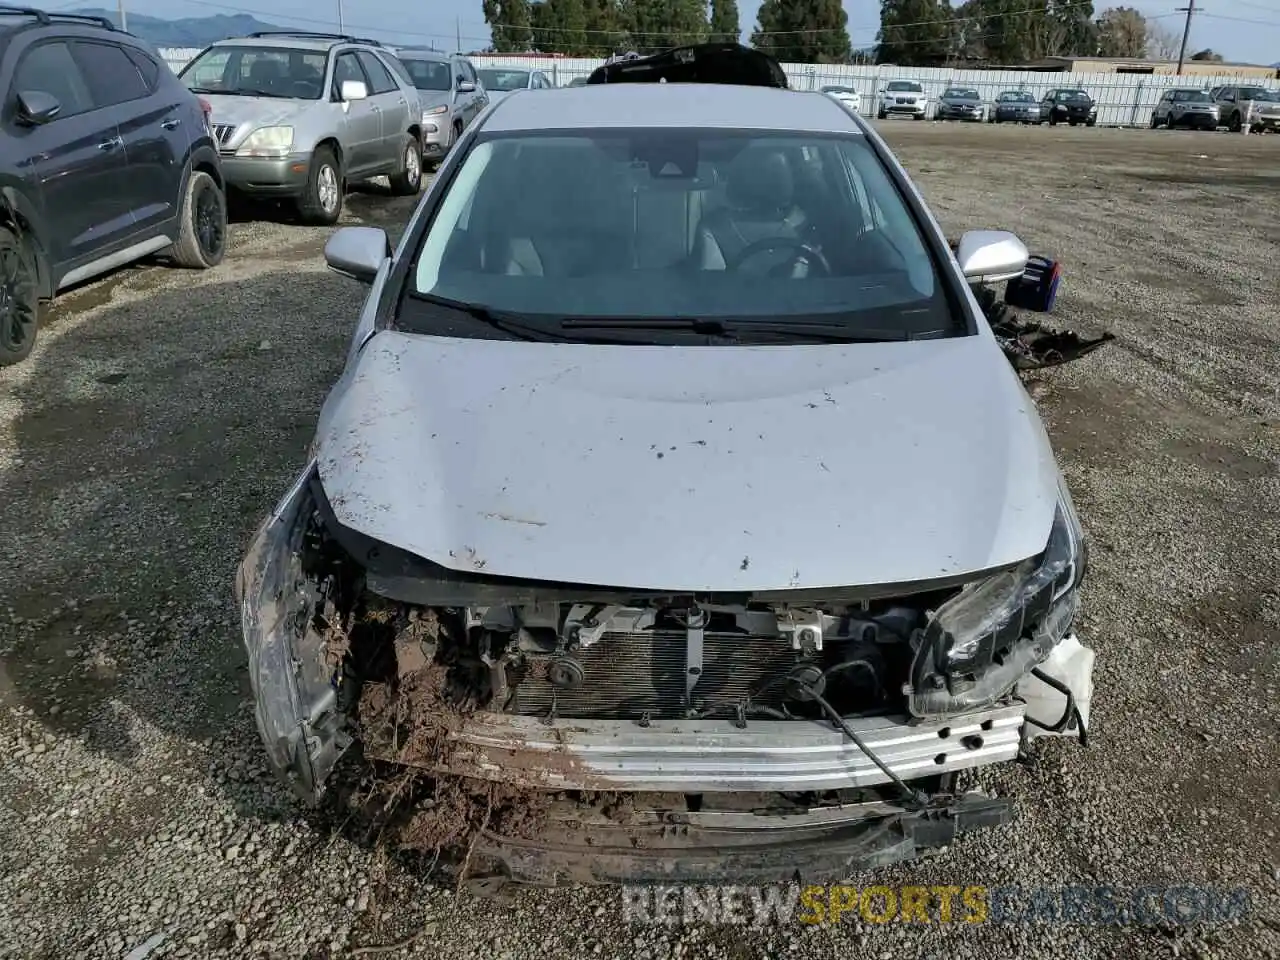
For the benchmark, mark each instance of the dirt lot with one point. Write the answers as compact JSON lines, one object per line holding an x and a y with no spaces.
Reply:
{"x":163,"y":413}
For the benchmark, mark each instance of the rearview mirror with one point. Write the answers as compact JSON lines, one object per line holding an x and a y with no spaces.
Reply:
{"x":357,"y":252}
{"x":354,"y":90}
{"x":36,"y":107}
{"x":466,"y":86}
{"x":991,"y":256}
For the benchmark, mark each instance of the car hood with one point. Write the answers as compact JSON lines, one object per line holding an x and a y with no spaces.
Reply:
{"x":258,"y":111}
{"x":690,"y":468}
{"x":497,"y":96}
{"x":961,"y":102}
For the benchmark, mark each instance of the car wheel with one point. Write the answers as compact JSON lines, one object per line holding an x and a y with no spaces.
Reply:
{"x":1155,"y":122}
{"x":917,"y":116}
{"x":1091,"y":122}
{"x":19,"y":298}
{"x":1234,"y":124}
{"x":202,"y":231}
{"x":1053,"y":121}
{"x":408,"y":181}
{"x":321,"y":201}
{"x":880,"y":115}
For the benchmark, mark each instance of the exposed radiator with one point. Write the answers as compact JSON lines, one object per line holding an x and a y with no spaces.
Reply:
{"x":629,"y":674}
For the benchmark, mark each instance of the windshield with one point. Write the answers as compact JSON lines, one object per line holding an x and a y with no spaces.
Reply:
{"x":1017,"y":97}
{"x":429,"y":74}
{"x":961,"y":93}
{"x":504,"y":80}
{"x":680,"y":224}
{"x":1191,"y":96}
{"x":1072,"y":95}
{"x":842,"y":90}
{"x":257,"y":72}
{"x":904,"y":86}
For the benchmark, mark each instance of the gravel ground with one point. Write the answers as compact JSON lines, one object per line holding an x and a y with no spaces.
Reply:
{"x":163,"y":413}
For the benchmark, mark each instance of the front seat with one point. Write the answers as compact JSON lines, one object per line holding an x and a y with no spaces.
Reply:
{"x":761,"y":206}
{"x":266,"y":74}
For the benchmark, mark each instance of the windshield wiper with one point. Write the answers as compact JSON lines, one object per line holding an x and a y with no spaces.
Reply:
{"x":815,"y":330}
{"x":260,"y":93}
{"x":199,"y":90}
{"x":504,"y":322}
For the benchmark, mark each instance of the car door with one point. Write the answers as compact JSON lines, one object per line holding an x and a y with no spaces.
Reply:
{"x":362,"y":121}
{"x":75,"y":162}
{"x":470,"y":99}
{"x":149,"y":119}
{"x":393,"y":108}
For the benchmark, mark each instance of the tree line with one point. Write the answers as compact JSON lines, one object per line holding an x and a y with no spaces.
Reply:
{"x":912,"y":32}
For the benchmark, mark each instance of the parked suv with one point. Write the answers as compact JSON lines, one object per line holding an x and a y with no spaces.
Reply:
{"x":298,"y":115}
{"x":451,"y":94}
{"x":1185,"y":106}
{"x":104,"y":158}
{"x":1261,"y":105}
{"x":903,"y":97}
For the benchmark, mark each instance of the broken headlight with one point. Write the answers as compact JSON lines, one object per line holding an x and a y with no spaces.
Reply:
{"x":983,"y":640}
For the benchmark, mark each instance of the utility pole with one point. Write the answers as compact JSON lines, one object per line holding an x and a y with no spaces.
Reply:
{"x":1190,"y":8}
{"x":457,"y":30}
{"x":124,"y":24}
{"x":340,"y":30}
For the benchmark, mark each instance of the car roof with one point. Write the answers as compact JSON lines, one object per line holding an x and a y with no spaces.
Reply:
{"x":297,"y":41}
{"x":410,"y":53}
{"x":675,"y":105}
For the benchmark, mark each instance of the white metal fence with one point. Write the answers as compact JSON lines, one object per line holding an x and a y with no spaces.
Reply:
{"x":1124,"y":99}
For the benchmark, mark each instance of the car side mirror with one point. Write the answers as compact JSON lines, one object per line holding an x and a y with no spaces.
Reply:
{"x":991,"y":256}
{"x":354,"y":90}
{"x":36,"y":107}
{"x":466,"y":86}
{"x":357,"y":252}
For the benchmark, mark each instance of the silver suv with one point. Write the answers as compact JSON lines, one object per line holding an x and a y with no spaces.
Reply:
{"x":451,"y":94}
{"x":297,"y":115}
{"x":1260,"y":105}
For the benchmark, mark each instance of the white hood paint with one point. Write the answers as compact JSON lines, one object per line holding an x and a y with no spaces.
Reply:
{"x":691,"y":468}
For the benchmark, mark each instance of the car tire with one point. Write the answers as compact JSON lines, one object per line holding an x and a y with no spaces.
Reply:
{"x":880,"y":115}
{"x":408,"y":181}
{"x":1234,"y":124}
{"x":918,"y":116}
{"x":19,"y":298}
{"x":202,"y":225}
{"x":1155,"y":122}
{"x":321,"y":200}
{"x":1091,"y":122}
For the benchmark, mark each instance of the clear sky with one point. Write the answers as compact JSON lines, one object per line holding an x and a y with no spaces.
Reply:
{"x":1242,"y":30}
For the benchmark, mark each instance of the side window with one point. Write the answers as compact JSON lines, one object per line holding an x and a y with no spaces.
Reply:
{"x":468,"y":72}
{"x":347,"y":68}
{"x":110,"y":73}
{"x":380,"y":79}
{"x":49,"y":68}
{"x":149,"y":69}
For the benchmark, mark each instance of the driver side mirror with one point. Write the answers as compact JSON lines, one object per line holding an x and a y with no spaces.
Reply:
{"x":357,"y":252}
{"x":991,"y":256}
{"x":35,"y":107}
{"x":354,"y":90}
{"x":466,"y":86}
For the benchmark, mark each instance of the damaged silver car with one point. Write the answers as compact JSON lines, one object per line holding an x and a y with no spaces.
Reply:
{"x":676,"y":497}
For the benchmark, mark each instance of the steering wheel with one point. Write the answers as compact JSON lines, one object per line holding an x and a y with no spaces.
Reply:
{"x":804,"y":253}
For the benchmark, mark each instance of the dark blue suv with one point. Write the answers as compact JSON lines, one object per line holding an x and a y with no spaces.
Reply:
{"x":105,"y":157}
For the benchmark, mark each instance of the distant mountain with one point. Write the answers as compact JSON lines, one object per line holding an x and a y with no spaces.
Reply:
{"x":187,"y":32}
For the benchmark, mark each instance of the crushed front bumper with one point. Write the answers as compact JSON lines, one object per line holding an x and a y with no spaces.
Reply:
{"x":714,"y":756}
{"x":762,"y":845}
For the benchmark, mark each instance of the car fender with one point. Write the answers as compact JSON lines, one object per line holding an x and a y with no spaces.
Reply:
{"x":25,"y":215}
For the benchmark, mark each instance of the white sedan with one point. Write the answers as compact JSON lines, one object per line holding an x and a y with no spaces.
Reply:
{"x":847,"y":96}
{"x":674,"y":458}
